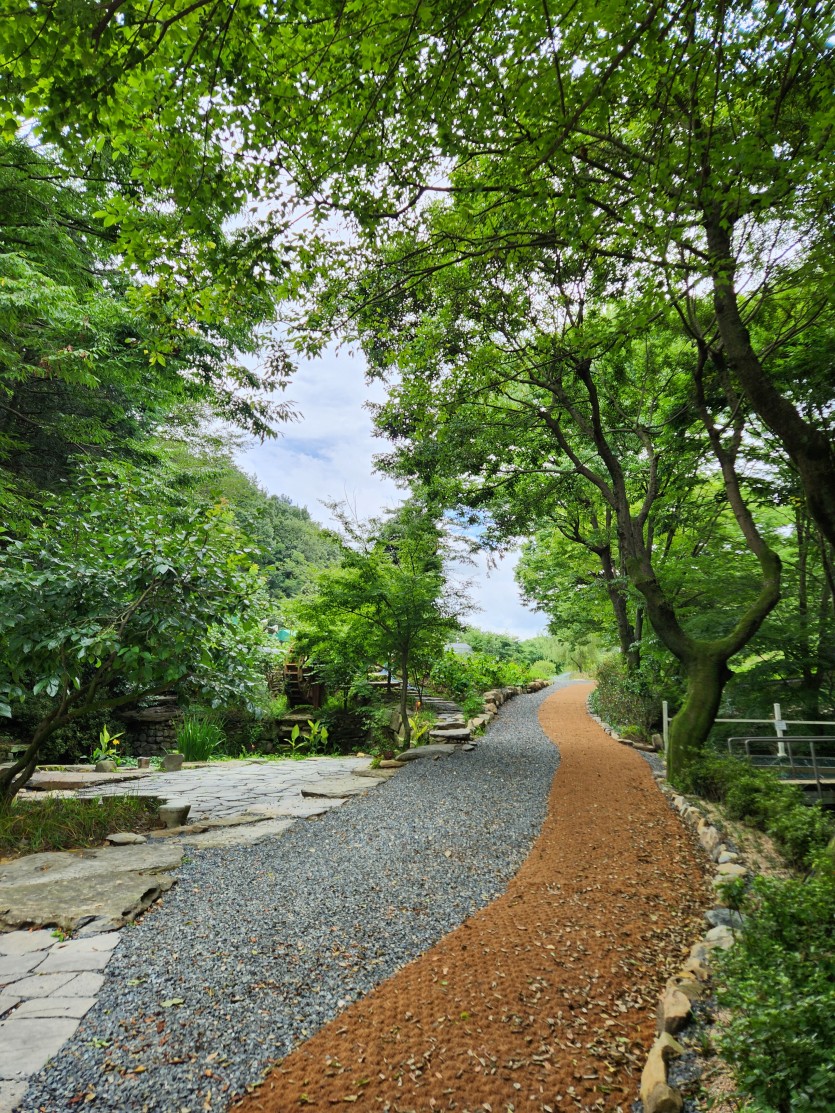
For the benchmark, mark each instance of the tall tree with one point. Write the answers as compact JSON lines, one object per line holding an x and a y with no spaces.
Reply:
{"x":691,"y":141}
{"x":87,"y":366}
{"x":390,"y":591}
{"x":501,"y":395}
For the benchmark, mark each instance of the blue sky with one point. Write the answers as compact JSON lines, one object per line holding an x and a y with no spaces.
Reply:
{"x":327,"y":456}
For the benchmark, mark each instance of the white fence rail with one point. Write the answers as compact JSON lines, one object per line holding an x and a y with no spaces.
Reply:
{"x":777,"y":721}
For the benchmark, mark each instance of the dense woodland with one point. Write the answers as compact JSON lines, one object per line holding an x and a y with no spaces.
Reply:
{"x":588,"y":250}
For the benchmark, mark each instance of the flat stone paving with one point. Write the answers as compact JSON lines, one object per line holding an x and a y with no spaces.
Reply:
{"x":47,"y":983}
{"x":46,"y":986}
{"x":230,"y":788}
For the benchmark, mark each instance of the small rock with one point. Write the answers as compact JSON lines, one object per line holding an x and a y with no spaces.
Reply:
{"x":710,"y":839}
{"x":469,"y":746}
{"x":724,"y":917}
{"x":686,"y":984}
{"x":172,"y":763}
{"x":174,"y":813}
{"x":673,"y":1011}
{"x":390,"y":763}
{"x":726,"y":856}
{"x":731,"y":869}
{"x":654,"y":1075}
{"x":697,"y":969}
{"x":143,"y":763}
{"x":721,"y":936}
{"x":663,"y":1099}
{"x":106,"y":766}
{"x":125,"y":838}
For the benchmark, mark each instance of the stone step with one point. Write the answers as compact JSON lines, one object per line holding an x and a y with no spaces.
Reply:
{"x":460,"y":735}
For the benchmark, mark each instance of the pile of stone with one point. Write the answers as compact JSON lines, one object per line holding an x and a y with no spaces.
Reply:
{"x":675,"y":1009}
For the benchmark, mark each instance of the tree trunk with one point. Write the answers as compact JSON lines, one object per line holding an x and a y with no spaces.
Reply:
{"x":404,"y":700}
{"x":809,"y":448}
{"x":620,"y":606}
{"x":707,"y":676}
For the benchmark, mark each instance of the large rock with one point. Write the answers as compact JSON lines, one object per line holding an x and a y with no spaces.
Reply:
{"x":440,"y":749}
{"x":656,"y":1094}
{"x":453,"y":735}
{"x":112,"y":885}
{"x":336,"y":786}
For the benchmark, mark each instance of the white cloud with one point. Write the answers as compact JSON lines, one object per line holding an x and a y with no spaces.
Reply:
{"x":327,"y":457}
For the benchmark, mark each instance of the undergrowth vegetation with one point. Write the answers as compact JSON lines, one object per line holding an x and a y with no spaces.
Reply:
{"x":56,"y":823}
{"x":777,"y":981}
{"x":759,"y":798}
{"x":626,"y":699}
{"x":467,"y":678}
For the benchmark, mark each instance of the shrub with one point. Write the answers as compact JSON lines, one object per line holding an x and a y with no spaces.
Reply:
{"x":626,"y":698}
{"x":778,"y":983}
{"x":468,"y":677}
{"x":200,"y":738}
{"x":543,"y":670}
{"x":758,"y":796}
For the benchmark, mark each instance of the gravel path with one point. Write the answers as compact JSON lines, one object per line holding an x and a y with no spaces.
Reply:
{"x":545,"y":1001}
{"x":256,"y":948}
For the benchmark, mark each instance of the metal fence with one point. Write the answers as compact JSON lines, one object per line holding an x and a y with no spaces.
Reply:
{"x":801,"y":759}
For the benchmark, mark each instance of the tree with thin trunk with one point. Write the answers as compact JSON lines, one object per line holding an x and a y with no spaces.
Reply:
{"x":389,"y":591}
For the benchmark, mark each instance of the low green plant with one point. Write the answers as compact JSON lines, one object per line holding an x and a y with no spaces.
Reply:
{"x":777,"y":981}
{"x":471,"y":706}
{"x":200,"y":737}
{"x":64,"y":823}
{"x":108,"y":747}
{"x":313,"y":742}
{"x":761,"y":799}
{"x":419,"y":725}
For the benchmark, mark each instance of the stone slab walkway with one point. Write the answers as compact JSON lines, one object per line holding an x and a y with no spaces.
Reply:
{"x":48,"y":983}
{"x":46,"y":986}
{"x":230,"y":788}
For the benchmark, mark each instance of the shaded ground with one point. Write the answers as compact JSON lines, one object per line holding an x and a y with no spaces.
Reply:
{"x":544,"y":1000}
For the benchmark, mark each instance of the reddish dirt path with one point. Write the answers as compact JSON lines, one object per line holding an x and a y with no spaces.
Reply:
{"x":544,"y":1000}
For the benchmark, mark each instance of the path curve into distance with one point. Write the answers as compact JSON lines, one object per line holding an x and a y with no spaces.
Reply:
{"x":544,"y":1000}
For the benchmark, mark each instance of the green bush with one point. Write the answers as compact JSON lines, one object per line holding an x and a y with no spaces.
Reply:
{"x":779,"y":983}
{"x":756,"y":795}
{"x":626,"y":698}
{"x":468,"y":677}
{"x":543,"y":670}
{"x":200,"y":737}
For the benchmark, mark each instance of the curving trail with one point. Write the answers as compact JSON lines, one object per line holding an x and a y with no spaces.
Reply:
{"x":544,"y":1000}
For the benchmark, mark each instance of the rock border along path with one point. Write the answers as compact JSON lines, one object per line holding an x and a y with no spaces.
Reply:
{"x":545,"y":1000}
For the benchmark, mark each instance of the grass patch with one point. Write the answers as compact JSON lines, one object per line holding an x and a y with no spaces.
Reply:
{"x":64,"y":823}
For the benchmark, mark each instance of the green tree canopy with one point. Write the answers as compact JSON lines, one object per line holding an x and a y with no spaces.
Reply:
{"x":389,"y":593}
{"x":121,"y":596}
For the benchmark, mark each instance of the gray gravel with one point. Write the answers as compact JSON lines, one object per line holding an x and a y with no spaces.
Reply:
{"x":263,"y":945}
